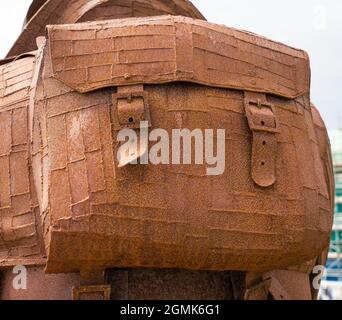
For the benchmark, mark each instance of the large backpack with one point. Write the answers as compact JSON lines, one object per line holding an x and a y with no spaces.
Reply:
{"x":68,"y":204}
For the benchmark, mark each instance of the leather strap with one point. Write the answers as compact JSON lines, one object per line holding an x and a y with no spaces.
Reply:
{"x":101,"y":292}
{"x":92,"y":286}
{"x":130,"y":110}
{"x":263,"y":122}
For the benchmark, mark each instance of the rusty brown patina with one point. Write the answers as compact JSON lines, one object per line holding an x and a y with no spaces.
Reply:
{"x":88,"y":228}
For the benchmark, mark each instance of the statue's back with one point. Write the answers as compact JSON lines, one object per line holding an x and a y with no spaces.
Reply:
{"x":255,"y":230}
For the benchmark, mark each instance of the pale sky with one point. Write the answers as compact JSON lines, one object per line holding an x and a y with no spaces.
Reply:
{"x":315,"y":26}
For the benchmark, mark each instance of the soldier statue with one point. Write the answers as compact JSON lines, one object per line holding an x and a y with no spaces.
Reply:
{"x":86,"y":222}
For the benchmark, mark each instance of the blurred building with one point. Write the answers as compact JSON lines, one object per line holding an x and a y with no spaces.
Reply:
{"x":333,"y":276}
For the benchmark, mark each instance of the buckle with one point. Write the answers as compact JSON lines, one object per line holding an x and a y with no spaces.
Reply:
{"x":130,"y":107}
{"x":261,"y":116}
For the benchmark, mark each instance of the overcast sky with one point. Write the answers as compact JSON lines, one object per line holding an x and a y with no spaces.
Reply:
{"x":315,"y":26}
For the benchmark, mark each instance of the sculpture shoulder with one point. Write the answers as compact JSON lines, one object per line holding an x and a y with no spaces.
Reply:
{"x":19,"y":236}
{"x":15,"y":80}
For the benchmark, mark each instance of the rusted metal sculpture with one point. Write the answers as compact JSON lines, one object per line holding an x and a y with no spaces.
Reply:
{"x":87,"y":229}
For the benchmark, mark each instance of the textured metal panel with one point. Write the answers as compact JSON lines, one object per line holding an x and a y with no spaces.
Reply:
{"x":167,"y":49}
{"x":61,"y":186}
{"x":176,"y":216}
{"x":73,"y":11}
{"x":20,"y":239}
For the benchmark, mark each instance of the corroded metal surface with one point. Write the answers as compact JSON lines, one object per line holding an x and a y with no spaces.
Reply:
{"x":20,"y":238}
{"x":51,"y":12}
{"x":168,"y":49}
{"x":67,"y":204}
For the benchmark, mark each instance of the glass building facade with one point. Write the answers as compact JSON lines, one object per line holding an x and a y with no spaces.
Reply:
{"x":333,"y":276}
